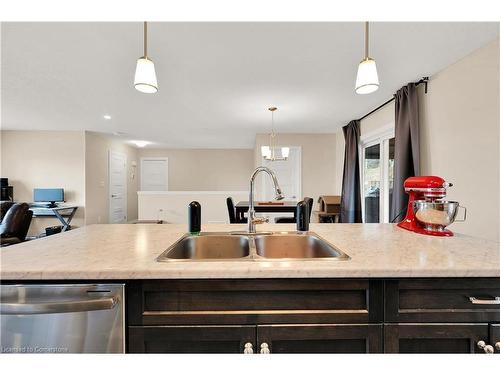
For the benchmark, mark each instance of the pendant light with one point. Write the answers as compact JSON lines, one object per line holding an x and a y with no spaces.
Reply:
{"x":145,"y":75}
{"x":367,"y":78}
{"x":269,"y":152}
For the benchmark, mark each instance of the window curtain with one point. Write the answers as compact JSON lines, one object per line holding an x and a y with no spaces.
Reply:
{"x":350,"y":202}
{"x":406,"y":151}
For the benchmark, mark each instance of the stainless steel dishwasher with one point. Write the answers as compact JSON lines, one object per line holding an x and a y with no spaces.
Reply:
{"x":61,"y":318}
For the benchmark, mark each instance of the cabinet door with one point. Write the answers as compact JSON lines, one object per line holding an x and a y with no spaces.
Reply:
{"x":320,"y":338}
{"x":190,"y":339}
{"x":434,"y":338}
{"x":495,"y":337}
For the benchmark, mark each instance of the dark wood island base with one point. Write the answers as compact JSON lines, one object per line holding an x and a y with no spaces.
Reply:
{"x":411,"y":315}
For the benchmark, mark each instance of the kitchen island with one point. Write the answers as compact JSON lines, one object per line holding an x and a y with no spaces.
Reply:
{"x":129,"y":251}
{"x":398,"y":292}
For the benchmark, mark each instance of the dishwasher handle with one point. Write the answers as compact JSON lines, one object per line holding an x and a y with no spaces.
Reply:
{"x":105,"y":303}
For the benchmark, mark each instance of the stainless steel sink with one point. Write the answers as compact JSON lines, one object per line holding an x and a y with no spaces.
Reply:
{"x":263,"y":246}
{"x":208,"y":246}
{"x":296,"y":246}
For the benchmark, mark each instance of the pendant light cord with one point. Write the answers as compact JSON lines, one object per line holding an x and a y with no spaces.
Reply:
{"x":145,"y":39}
{"x":367,"y":38}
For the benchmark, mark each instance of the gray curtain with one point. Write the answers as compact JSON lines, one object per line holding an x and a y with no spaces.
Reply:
{"x":406,"y":152}
{"x":350,"y":202}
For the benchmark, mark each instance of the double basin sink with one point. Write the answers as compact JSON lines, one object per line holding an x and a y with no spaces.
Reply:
{"x":212,"y":246}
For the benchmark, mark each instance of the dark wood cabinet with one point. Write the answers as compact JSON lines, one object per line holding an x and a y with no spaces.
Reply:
{"x":190,"y":339}
{"x":442,"y":300}
{"x":495,"y":337}
{"x":321,"y":338}
{"x":314,"y":315}
{"x":434,"y":338}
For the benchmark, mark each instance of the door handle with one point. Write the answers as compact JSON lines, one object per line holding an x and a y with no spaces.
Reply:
{"x":106,"y":303}
{"x":248,"y":348}
{"x":480,"y":301}
{"x":488,"y":349}
{"x":114,"y":195}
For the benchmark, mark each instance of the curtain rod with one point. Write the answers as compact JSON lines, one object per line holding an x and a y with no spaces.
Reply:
{"x":424,"y":80}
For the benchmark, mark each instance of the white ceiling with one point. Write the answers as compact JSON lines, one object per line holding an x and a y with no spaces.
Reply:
{"x":216,"y":80}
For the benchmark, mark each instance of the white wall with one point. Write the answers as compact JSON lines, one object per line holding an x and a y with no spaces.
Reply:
{"x":172,"y":206}
{"x":32,"y":159}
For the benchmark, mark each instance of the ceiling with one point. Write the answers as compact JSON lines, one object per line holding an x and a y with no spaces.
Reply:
{"x":216,"y":80}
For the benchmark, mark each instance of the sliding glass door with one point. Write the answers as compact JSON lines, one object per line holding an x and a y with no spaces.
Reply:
{"x":377,"y":177}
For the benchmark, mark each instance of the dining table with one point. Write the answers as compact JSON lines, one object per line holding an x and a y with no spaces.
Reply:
{"x":266,"y":206}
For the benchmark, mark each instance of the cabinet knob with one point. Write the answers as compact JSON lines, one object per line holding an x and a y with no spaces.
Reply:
{"x":248,"y":348}
{"x":264,"y":348}
{"x":488,"y":349}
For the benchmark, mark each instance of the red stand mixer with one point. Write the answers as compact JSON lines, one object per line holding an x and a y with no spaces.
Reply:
{"x":427,"y":213}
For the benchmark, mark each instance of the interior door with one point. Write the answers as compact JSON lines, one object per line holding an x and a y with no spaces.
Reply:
{"x":320,"y":338}
{"x":434,"y":337}
{"x":117,"y":187}
{"x":191,"y":339}
{"x":154,"y":174}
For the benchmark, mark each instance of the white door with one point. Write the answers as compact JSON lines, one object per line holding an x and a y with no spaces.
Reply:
{"x":117,"y":187}
{"x":154,"y":174}
{"x":289,"y":176}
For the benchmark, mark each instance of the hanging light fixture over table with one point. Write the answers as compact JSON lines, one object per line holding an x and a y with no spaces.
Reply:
{"x":367,"y":77}
{"x":145,"y":75}
{"x":269,"y":152}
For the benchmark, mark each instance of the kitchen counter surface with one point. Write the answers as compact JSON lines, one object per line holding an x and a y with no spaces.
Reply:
{"x":128,"y":251}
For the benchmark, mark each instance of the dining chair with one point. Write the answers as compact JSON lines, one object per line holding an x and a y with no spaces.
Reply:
{"x":233,"y":219}
{"x":292,"y":219}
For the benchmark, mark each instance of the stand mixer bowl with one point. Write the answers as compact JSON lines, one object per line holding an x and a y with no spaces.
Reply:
{"x":436,"y":215}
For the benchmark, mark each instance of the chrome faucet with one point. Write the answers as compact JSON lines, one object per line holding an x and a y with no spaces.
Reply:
{"x":252,"y":220}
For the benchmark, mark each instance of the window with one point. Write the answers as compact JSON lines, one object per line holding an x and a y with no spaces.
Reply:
{"x":377,"y":175}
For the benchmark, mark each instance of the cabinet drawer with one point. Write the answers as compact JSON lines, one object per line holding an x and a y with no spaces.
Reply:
{"x":442,"y":300}
{"x":254,"y":301}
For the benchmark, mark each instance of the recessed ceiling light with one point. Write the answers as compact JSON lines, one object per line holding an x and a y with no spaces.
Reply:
{"x":106,"y":117}
{"x":141,"y":143}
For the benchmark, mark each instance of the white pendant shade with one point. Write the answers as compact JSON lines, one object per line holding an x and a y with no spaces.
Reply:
{"x":367,"y":78}
{"x":265,"y":151}
{"x":285,"y":151}
{"x":145,"y":76}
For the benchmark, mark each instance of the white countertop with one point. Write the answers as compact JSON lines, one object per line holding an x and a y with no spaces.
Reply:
{"x":128,"y":251}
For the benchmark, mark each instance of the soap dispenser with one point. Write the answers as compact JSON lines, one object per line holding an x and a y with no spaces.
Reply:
{"x":194,"y":217}
{"x":302,"y":215}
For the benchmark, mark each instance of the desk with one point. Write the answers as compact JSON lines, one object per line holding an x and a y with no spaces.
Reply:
{"x":61,"y":212}
{"x":287,"y":206}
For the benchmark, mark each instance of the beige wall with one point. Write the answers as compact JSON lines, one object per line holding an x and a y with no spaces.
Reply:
{"x":205,"y":169}
{"x":97,"y":147}
{"x":32,"y":159}
{"x":318,"y":160}
{"x":459,"y":136}
{"x":460,"y":126}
